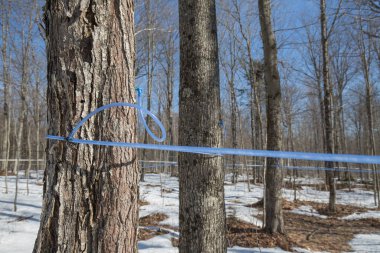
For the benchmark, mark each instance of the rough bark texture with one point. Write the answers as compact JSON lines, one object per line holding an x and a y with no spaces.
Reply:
{"x":90,"y":192}
{"x":273,"y":178}
{"x":327,"y":100}
{"x":202,"y":211}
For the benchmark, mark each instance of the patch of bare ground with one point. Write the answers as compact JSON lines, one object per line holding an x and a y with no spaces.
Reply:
{"x":286,"y":205}
{"x":146,"y":234}
{"x":331,"y":234}
{"x":240,"y":233}
{"x":143,"y":202}
{"x":341,"y":210}
{"x":313,"y":233}
{"x":151,"y":220}
{"x":10,"y":173}
{"x":175,"y":242}
{"x":152,"y":185}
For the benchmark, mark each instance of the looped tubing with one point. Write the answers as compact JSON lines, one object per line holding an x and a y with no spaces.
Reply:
{"x":141,"y":112}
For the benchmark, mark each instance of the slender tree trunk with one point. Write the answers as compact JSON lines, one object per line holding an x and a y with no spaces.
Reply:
{"x":329,"y":142}
{"x":273,"y":178}
{"x":16,"y":185}
{"x":257,"y":136}
{"x":6,"y":89}
{"x":245,"y":162}
{"x":365,"y":61}
{"x":234,"y":121}
{"x":201,"y":177}
{"x":369,"y":112}
{"x":170,"y":85}
{"x":342,"y":131}
{"x":90,"y":192}
{"x":37,"y":123}
{"x":29,"y":146}
{"x":149,"y":78}
{"x":23,"y":110}
{"x":26,"y":41}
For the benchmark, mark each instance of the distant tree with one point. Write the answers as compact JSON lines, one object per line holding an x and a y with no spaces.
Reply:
{"x":150,"y":51}
{"x":5,"y":23}
{"x":365,"y":52}
{"x":26,"y":48}
{"x":327,"y":102}
{"x":90,"y":192}
{"x":201,"y":177}
{"x":273,"y":177}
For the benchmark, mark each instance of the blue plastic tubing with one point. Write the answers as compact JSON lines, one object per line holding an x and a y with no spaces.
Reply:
{"x":363,"y":159}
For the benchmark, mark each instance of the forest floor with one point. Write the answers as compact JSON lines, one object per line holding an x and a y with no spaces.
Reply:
{"x":354,"y":228}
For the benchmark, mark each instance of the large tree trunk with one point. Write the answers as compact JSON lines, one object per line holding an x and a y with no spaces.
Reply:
{"x":273,"y":178}
{"x":202,"y":211}
{"x":90,"y":192}
{"x":329,"y":138}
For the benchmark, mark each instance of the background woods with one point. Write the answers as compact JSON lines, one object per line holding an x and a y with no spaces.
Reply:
{"x":290,"y":75}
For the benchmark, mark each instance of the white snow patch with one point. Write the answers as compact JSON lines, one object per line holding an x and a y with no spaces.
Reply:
{"x":19,"y":236}
{"x":366,"y":215}
{"x":301,"y":250}
{"x":237,"y":249}
{"x":157,"y":244}
{"x":309,"y":211}
{"x":366,"y":243}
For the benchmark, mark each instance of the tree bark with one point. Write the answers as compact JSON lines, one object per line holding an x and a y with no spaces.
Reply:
{"x":329,"y":141}
{"x":90,"y":192}
{"x":169,"y":72}
{"x":369,"y":112}
{"x":233,"y":106}
{"x":202,"y":210}
{"x":273,"y":178}
{"x":6,"y":79}
{"x":37,"y":123}
{"x":150,"y":67}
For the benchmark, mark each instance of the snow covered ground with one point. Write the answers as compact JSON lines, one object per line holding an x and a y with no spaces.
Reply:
{"x":308,"y":210}
{"x":161,"y":192}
